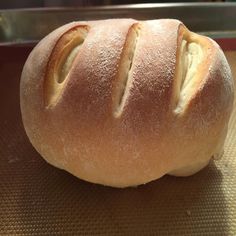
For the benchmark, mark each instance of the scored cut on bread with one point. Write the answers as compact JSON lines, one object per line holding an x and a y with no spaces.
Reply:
{"x":123,"y":102}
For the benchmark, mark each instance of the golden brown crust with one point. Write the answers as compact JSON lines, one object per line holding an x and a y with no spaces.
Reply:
{"x":131,"y":67}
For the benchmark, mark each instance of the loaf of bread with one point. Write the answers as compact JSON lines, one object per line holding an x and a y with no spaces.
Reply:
{"x":123,"y":102}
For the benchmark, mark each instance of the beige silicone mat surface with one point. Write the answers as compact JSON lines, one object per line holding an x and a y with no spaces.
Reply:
{"x":38,"y":199}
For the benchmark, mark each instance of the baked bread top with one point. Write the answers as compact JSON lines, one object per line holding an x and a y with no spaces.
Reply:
{"x":122,"y":102}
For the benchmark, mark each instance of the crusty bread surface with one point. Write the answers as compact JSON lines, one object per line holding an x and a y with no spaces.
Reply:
{"x":123,"y":102}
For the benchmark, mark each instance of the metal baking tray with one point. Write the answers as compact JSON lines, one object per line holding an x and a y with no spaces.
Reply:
{"x":21,"y":26}
{"x":38,"y":199}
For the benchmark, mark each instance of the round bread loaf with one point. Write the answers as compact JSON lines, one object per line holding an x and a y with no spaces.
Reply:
{"x":123,"y":102}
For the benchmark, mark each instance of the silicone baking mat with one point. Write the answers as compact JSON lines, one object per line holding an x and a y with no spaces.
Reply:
{"x":38,"y":199}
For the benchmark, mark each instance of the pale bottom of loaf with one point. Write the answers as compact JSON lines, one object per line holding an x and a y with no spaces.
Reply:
{"x":190,"y":170}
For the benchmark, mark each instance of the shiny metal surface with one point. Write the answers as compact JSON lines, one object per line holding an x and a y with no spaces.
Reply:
{"x":30,"y":25}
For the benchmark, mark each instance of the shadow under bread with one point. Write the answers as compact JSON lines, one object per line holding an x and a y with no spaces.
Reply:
{"x":59,"y":203}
